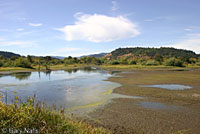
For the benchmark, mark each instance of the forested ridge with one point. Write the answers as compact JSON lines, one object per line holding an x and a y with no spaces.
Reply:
{"x":153,"y":56}
{"x":152,"y":52}
{"x":8,"y":54}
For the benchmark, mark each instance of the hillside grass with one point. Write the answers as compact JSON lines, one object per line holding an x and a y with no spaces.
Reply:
{"x":30,"y":118}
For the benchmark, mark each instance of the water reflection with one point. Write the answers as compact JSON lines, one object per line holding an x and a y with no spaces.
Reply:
{"x":85,"y":69}
{"x":68,"y":88}
{"x":18,"y":75}
{"x":70,"y":71}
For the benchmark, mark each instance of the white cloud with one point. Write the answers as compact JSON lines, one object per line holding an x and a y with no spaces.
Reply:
{"x":100,"y":28}
{"x":20,"y":29}
{"x":22,"y":44}
{"x":114,"y":6}
{"x":191,"y":43}
{"x":163,"y":18}
{"x":188,"y":29}
{"x":192,"y":29}
{"x":35,"y":24}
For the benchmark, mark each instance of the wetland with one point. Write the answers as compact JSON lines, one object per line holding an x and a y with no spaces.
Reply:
{"x":123,"y":101}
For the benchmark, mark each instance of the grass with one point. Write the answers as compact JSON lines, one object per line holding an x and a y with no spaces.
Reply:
{"x":3,"y":69}
{"x":20,"y":118}
{"x":142,"y":67}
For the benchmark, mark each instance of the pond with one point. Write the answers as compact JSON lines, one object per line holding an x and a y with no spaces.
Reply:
{"x":72,"y":89}
{"x":169,"y":86}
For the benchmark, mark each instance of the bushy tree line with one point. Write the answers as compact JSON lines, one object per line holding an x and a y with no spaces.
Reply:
{"x":28,"y":62}
{"x":32,"y":61}
{"x":14,"y":62}
{"x":156,"y":60}
{"x":127,"y":59}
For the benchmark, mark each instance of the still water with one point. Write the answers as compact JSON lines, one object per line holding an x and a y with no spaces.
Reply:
{"x":72,"y":89}
{"x":169,"y":86}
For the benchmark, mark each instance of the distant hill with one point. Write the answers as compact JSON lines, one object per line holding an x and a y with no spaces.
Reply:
{"x":8,"y":54}
{"x":58,"y":57}
{"x":95,"y":55}
{"x":150,"y":52}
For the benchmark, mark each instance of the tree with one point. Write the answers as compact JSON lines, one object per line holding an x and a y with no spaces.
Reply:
{"x":29,"y":58}
{"x":22,"y":62}
{"x":132,"y":62}
{"x":174,"y":62}
{"x":1,"y":63}
{"x":158,"y":58}
{"x":151,"y":63}
{"x":38,"y":62}
{"x":2,"y":57}
{"x":47,"y":62}
{"x":13,"y":58}
{"x":115,"y":62}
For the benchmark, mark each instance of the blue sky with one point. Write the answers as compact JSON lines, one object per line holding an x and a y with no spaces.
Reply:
{"x":81,"y":27}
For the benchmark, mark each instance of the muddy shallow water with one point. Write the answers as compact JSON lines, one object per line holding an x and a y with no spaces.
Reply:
{"x":158,"y":106}
{"x":162,"y":111}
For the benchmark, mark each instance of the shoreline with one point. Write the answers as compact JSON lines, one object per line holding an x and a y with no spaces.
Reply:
{"x":106,"y":67}
{"x":52,"y":68}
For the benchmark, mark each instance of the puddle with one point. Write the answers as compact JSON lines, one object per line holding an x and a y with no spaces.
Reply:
{"x":169,"y":86}
{"x":158,"y":106}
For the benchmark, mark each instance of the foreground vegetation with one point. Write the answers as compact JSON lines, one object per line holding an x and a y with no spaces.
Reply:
{"x":30,"y":118}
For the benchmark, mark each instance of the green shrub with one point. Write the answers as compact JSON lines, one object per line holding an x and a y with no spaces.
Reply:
{"x":151,"y":63}
{"x":178,"y":63}
{"x":1,"y":63}
{"x":170,"y":62}
{"x":22,"y":62}
{"x":115,"y":62}
{"x":198,"y":63}
{"x":124,"y":62}
{"x":132,"y":62}
{"x":174,"y":62}
{"x":8,"y":63}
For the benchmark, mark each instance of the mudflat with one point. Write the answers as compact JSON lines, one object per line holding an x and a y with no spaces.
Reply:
{"x":160,"y":111}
